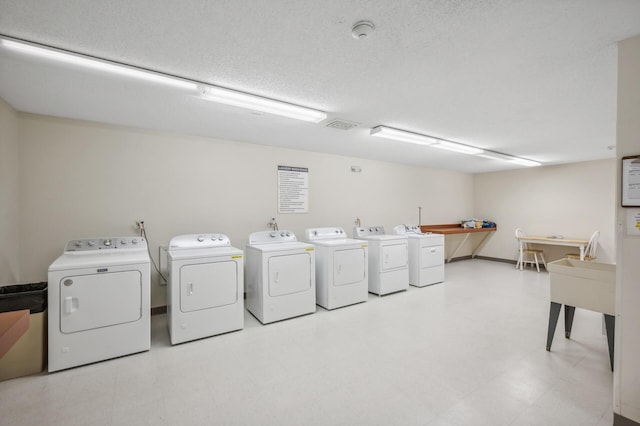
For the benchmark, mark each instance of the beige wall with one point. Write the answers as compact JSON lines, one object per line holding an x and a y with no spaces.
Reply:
{"x":627,"y":363}
{"x":9,"y":196}
{"x":81,"y":179}
{"x":572,"y":200}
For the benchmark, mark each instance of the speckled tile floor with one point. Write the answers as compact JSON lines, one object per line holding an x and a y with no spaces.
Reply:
{"x":470,"y":351}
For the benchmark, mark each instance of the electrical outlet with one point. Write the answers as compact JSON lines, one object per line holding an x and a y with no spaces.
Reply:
{"x":139,"y":224}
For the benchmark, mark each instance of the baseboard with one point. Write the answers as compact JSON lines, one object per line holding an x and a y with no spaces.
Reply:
{"x":457,"y":259}
{"x":619,"y":420}
{"x":497,"y":259}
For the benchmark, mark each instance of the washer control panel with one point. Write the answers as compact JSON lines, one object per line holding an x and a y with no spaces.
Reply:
{"x":263,"y":237}
{"x":107,"y":243}
{"x":325,"y":234}
{"x":363,"y":231}
{"x":191,"y":241}
{"x":408,"y":229}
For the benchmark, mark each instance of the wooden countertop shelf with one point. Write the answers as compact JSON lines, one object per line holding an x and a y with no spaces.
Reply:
{"x":455,"y":228}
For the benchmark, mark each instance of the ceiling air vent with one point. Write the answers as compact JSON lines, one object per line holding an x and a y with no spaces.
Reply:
{"x":341,"y":124}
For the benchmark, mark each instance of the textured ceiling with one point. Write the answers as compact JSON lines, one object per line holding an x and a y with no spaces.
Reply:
{"x":535,"y":79}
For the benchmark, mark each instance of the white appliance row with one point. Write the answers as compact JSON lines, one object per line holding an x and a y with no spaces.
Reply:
{"x":99,"y":289}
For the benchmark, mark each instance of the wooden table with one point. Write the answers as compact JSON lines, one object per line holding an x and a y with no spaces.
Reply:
{"x":568,"y":242}
{"x":455,"y":228}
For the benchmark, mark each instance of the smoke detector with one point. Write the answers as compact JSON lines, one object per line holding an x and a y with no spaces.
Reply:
{"x":362,"y":30}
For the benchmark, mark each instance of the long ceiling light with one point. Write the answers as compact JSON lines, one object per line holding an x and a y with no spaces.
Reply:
{"x":433,"y":142}
{"x":213,"y":93}
{"x":491,"y":155}
{"x":96,"y":64}
{"x":258,"y":103}
{"x":402,"y":135}
{"x":458,"y":147}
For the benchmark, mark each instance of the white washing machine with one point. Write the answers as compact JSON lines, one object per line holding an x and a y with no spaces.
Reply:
{"x":99,"y":301}
{"x":426,"y":255}
{"x":280,"y":276}
{"x":388,"y":260}
{"x":205,"y":287}
{"x":341,"y":267}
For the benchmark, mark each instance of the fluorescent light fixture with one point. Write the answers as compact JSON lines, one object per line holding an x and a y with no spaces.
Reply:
{"x":417,"y":138}
{"x":525,"y":162}
{"x":258,"y":103}
{"x":402,"y":135}
{"x":457,"y":147}
{"x":96,"y":64}
{"x":509,"y":159}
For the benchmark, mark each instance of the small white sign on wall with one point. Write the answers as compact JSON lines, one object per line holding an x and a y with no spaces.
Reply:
{"x":293,"y":189}
{"x":633,"y":222}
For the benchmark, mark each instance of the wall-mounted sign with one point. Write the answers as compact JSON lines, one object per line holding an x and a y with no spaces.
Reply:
{"x":633,"y":222}
{"x":631,"y":181}
{"x":293,"y":189}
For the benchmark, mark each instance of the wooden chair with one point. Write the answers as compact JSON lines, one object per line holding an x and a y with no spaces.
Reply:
{"x":590,"y":250}
{"x":527,"y":252}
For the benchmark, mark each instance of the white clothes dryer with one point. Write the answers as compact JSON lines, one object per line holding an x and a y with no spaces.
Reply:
{"x":426,"y":255}
{"x":205,"y":287}
{"x":99,"y":301}
{"x":280,"y":276}
{"x":341,"y":267}
{"x":388,"y":260}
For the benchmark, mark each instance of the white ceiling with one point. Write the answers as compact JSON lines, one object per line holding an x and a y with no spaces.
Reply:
{"x":535,"y":79}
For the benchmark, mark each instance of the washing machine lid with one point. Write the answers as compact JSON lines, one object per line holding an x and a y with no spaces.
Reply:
{"x":199,"y":253}
{"x":341,"y":242}
{"x":282,"y":246}
{"x":383,"y":237}
{"x":99,"y":259}
{"x":428,"y":236}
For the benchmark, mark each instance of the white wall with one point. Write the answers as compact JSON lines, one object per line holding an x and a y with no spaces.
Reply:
{"x":80,"y":179}
{"x":627,"y":362}
{"x":572,"y":200}
{"x":9,"y":196}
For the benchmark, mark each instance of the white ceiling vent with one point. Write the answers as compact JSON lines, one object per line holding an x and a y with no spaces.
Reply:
{"x":341,"y":124}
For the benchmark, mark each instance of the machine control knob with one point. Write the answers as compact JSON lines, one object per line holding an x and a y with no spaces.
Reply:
{"x":92,"y":243}
{"x":282,"y":234}
{"x":134,"y":241}
{"x":123,"y":242}
{"x":288,"y":234}
{"x":273,"y":234}
{"x":78,"y":243}
{"x":107,"y":243}
{"x":220,"y":238}
{"x":200,"y":238}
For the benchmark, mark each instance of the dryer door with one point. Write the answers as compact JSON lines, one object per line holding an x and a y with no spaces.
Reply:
{"x":208,"y":285}
{"x":394,"y":256}
{"x":290,"y":273}
{"x":99,"y":300}
{"x":348,"y":266}
{"x":431,"y":256}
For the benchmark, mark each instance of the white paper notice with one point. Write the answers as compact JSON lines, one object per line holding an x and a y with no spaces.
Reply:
{"x":293,"y":189}
{"x":631,"y":182}
{"x":633,"y":222}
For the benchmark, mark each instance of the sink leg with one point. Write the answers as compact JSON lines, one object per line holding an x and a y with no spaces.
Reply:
{"x":569,"y":311}
{"x":554,"y":313}
{"x":610,"y":324}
